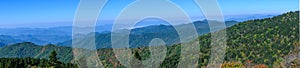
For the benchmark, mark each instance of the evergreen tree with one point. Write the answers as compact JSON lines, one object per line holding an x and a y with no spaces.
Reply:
{"x":53,"y":59}
{"x":137,"y":55}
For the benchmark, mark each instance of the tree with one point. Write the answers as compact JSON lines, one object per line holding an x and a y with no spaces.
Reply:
{"x":137,"y":55}
{"x":53,"y":59}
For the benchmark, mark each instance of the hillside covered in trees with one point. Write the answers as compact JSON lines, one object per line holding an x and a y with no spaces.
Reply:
{"x":260,"y":42}
{"x":35,"y":63}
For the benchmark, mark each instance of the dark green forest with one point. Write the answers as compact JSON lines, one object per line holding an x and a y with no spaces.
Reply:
{"x":255,"y":43}
{"x":35,"y":63}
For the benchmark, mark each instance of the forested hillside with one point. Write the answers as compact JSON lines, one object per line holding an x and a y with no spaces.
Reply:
{"x":35,"y":63}
{"x":261,"y":41}
{"x":27,"y":49}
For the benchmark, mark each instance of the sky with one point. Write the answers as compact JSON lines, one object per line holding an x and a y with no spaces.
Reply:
{"x":16,"y":13}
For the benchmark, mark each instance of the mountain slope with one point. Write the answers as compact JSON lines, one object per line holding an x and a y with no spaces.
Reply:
{"x":263,"y":41}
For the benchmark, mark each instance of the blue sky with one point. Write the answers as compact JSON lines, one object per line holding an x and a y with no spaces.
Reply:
{"x":55,"y":11}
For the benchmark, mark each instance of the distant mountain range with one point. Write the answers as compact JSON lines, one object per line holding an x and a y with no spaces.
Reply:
{"x":142,"y":36}
{"x":241,"y":18}
{"x":40,"y":36}
{"x":63,"y":35}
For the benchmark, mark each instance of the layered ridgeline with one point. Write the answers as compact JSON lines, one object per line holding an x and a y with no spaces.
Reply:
{"x":142,"y":36}
{"x":63,"y":35}
{"x":262,"y":41}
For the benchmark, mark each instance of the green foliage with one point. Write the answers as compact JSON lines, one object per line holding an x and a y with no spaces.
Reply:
{"x":232,"y":65}
{"x":53,"y":59}
{"x":27,"y":49}
{"x":30,"y":62}
{"x":264,"y":41}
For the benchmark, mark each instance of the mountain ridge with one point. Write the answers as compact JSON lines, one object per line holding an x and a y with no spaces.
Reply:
{"x":263,"y":41}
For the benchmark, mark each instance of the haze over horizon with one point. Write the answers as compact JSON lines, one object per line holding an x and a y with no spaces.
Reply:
{"x":49,"y":13}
